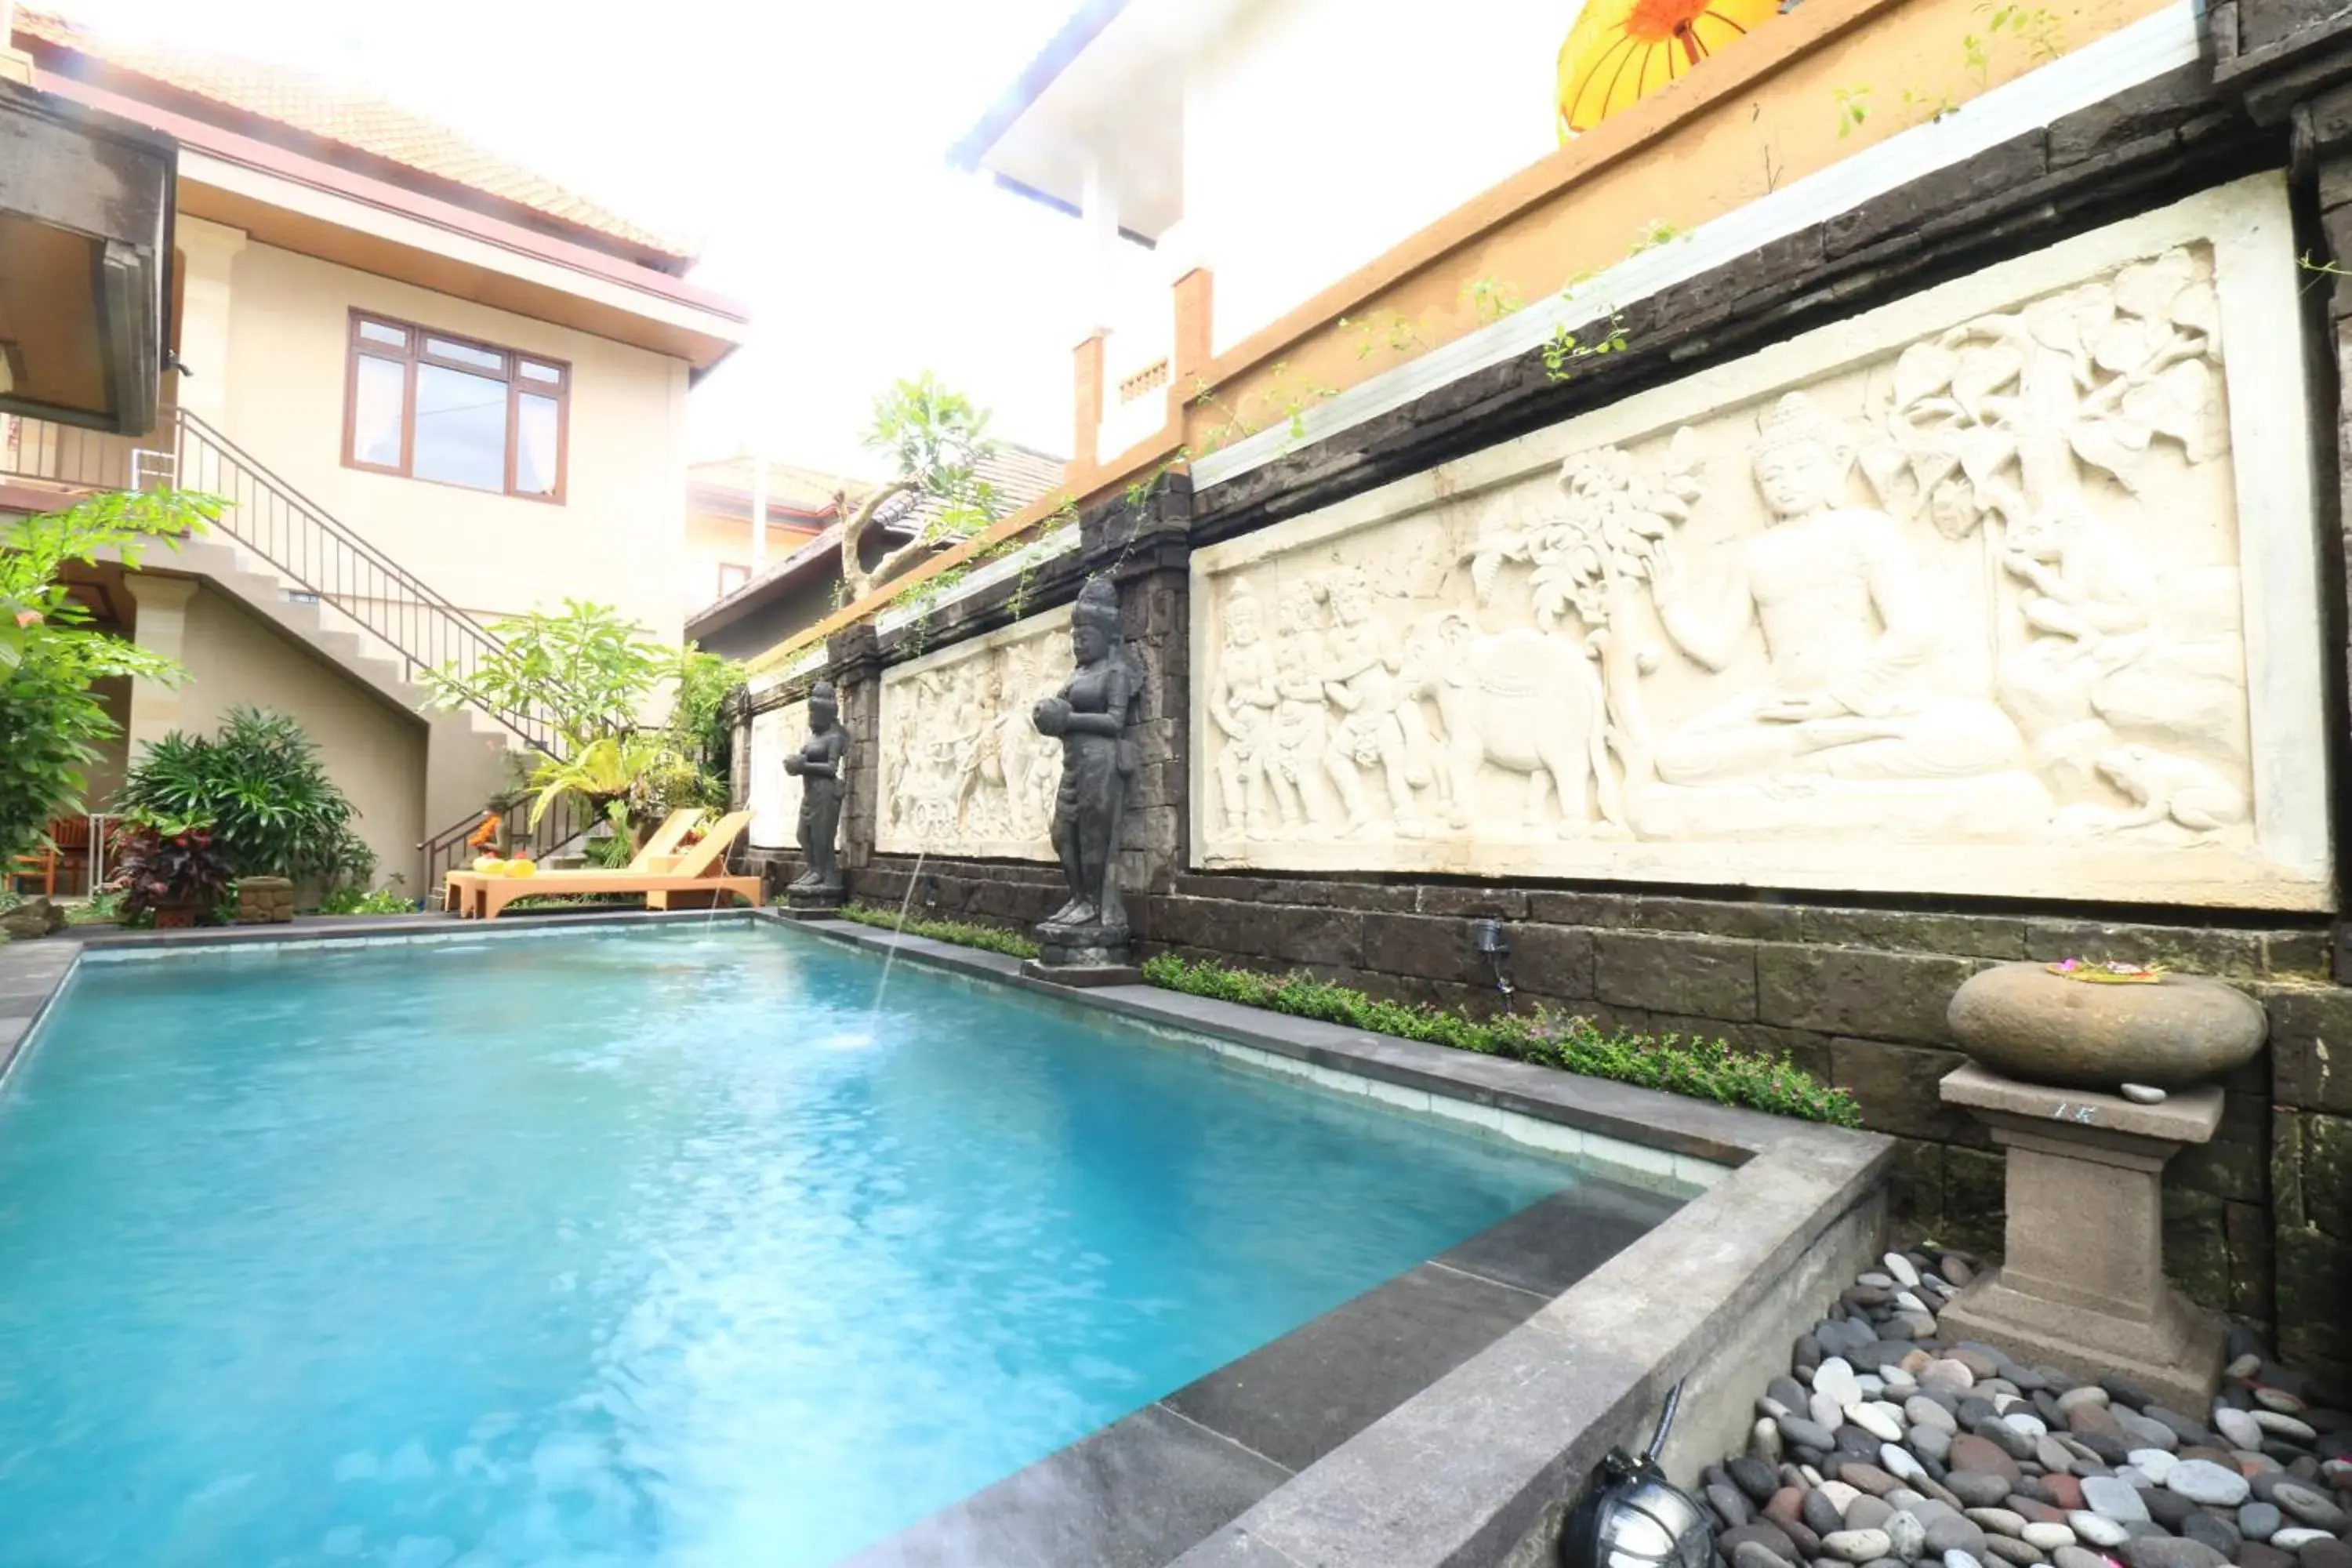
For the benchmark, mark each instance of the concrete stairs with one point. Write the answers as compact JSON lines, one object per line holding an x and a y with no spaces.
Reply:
{"x":467,"y":751}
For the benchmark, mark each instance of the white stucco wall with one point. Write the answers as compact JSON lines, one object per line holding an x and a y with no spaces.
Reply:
{"x":1320,"y":133}
{"x":618,"y":538}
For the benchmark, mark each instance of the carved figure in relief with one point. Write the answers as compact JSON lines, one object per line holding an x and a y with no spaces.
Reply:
{"x":2015,"y":417}
{"x":1612,"y":531}
{"x":1031,"y":763}
{"x":1295,"y":757}
{"x":2164,"y":787}
{"x":821,"y":764}
{"x":1836,"y":594}
{"x":1529,"y":702}
{"x":1376,"y":722}
{"x":1241,"y":705}
{"x":981,"y":792}
{"x":1090,"y":716}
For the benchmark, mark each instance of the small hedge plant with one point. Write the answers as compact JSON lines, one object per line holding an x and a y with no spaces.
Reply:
{"x":1701,"y":1068}
{"x":963,"y":933}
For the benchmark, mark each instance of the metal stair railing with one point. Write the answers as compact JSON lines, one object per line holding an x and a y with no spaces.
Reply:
{"x":322,"y":558}
{"x":325,"y":559}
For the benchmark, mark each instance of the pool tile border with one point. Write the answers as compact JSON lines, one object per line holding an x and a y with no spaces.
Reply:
{"x":1476,"y":1467}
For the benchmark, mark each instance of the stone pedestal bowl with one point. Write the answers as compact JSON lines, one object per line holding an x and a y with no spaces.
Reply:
{"x":2022,"y":1020}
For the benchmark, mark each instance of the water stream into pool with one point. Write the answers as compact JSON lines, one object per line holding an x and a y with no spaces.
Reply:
{"x":588,"y":1248}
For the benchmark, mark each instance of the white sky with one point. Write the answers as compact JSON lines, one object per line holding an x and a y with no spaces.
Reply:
{"x":803,"y":141}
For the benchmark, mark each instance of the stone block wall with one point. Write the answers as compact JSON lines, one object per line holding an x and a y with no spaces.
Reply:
{"x":1857,"y":996}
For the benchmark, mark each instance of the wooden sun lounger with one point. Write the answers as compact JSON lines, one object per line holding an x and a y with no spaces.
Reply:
{"x":660,"y":854}
{"x":699,"y":882}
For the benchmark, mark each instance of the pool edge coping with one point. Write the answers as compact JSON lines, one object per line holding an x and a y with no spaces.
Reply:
{"x":1480,"y":1462}
{"x":47,"y":965}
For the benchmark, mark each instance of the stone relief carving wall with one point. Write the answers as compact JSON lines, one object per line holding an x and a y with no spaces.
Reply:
{"x":775,"y":795}
{"x":963,"y":770}
{"x":1950,"y":597}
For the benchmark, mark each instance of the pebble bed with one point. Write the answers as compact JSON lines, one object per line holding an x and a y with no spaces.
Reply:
{"x":1889,"y":1446}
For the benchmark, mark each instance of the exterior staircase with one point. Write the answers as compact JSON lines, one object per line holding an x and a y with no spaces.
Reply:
{"x":287,"y":560}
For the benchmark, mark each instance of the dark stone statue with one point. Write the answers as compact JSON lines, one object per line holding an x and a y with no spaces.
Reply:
{"x":821,"y":765}
{"x":1091,"y":716}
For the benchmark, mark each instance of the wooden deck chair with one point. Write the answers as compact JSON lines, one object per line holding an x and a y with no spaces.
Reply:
{"x":660,"y":854}
{"x":37,"y":865}
{"x":699,"y":880}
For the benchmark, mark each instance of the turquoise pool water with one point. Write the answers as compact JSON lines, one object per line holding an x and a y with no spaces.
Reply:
{"x":642,"y":1247}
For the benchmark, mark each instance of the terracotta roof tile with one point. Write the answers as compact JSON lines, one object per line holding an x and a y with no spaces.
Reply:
{"x":345,"y":116}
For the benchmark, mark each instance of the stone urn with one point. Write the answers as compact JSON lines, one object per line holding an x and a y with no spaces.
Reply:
{"x":2022,"y":1020}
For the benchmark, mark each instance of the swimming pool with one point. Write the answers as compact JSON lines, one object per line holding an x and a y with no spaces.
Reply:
{"x":661,"y":1244}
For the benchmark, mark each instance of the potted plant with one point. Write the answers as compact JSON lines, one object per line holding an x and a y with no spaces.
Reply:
{"x":170,"y":867}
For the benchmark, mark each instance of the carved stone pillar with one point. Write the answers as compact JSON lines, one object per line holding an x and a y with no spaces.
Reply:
{"x":1144,"y":547}
{"x":854,"y":668}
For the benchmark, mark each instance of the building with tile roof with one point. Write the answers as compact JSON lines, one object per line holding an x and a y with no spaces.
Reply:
{"x":760,"y":610}
{"x":341,"y":124}
{"x":438,"y":389}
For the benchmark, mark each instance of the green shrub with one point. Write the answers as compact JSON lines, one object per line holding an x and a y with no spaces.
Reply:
{"x":273,"y":809}
{"x":353,"y":901}
{"x":53,"y":722}
{"x":1700,"y":1068}
{"x":963,"y":933}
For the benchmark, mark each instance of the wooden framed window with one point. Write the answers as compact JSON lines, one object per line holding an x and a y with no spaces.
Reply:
{"x":731,"y":577}
{"x":432,"y":405}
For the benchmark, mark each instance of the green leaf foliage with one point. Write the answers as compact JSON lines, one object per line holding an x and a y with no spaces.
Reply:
{"x":962,"y":933}
{"x":380,"y":901}
{"x":52,"y":722}
{"x":938,"y":438}
{"x":161,"y":861}
{"x":1700,"y":1068}
{"x":586,"y":672}
{"x":259,"y":783}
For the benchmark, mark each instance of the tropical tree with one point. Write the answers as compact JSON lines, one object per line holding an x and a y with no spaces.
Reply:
{"x":587,"y":673}
{"x":51,"y":721}
{"x":938,"y":439}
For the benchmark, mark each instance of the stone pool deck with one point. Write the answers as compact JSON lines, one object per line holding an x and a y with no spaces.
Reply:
{"x":1443,"y":1417}
{"x":1446,"y":1416}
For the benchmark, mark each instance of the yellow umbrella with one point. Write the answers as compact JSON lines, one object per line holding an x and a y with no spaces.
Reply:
{"x":1621,"y":51}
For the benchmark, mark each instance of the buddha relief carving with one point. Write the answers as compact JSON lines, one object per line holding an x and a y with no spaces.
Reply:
{"x":1973,"y":590}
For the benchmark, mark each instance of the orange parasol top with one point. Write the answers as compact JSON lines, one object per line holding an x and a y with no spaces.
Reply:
{"x":1621,"y":51}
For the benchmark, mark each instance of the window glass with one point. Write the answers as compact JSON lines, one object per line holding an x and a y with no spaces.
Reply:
{"x":461,"y":413}
{"x":465,"y":353}
{"x":375,"y":411}
{"x":535,"y":441}
{"x":461,"y":429}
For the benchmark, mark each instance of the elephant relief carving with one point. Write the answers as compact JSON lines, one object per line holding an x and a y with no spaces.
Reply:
{"x":1525,"y":701}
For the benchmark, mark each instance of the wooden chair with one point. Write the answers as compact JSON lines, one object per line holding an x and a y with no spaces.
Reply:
{"x":70,"y":836}
{"x":698,"y":879}
{"x":38,"y":865}
{"x":660,"y":854}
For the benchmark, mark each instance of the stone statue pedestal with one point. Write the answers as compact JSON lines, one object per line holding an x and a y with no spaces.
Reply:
{"x":2082,"y":1284}
{"x":812,"y":903}
{"x":1085,"y":955}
